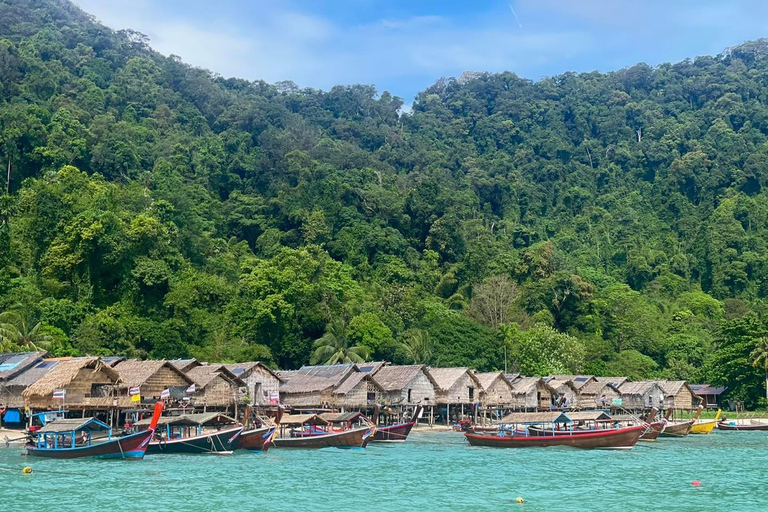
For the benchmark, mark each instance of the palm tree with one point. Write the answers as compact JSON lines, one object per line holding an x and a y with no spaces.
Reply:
{"x":418,"y":346}
{"x":334,"y":347}
{"x":19,"y":331}
{"x":760,"y":357}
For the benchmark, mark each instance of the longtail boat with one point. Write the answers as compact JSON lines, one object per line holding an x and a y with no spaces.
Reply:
{"x":742,"y":427}
{"x":706,"y":426}
{"x":679,"y":428}
{"x":315,"y":432}
{"x":257,"y":437}
{"x":509,"y":435}
{"x":188,"y":434}
{"x":73,"y":439}
{"x":396,"y":433}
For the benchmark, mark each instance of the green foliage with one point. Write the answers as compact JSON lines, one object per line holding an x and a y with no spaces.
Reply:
{"x":610,"y":222}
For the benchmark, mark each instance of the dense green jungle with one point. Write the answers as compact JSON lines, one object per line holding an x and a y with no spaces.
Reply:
{"x":600,"y":223}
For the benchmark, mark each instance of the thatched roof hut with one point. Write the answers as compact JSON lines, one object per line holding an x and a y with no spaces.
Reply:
{"x":679,"y":395}
{"x":495,"y":389}
{"x":531,"y":393}
{"x":641,"y":395}
{"x":372,"y":367}
{"x":215,"y":386}
{"x":88,"y":382}
{"x":13,"y":364}
{"x":566,"y":393}
{"x":357,"y":390}
{"x":406,"y":385}
{"x":13,"y":389}
{"x":301,"y":390}
{"x":598,"y":394}
{"x":152,"y":377}
{"x":455,"y":385}
{"x":263,"y":384}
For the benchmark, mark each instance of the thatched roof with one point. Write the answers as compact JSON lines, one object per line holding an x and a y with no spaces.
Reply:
{"x":673,"y":387}
{"x":589,"y":416}
{"x":65,"y":372}
{"x":294,"y":382}
{"x":447,"y":377}
{"x":396,"y":378}
{"x":12,"y":364}
{"x":32,"y":375}
{"x":302,"y":419}
{"x":352,"y":381}
{"x":525,"y":385}
{"x":204,"y":375}
{"x":340,"y":417}
{"x":136,"y":373}
{"x":579,"y":381}
{"x":185,"y":364}
{"x":487,"y":379}
{"x":112,"y":360}
{"x":334,"y":372}
{"x":616,"y":381}
{"x":706,"y":389}
{"x":535,"y":418}
{"x":637,"y":388}
{"x":558,"y":384}
{"x":69,"y":425}
{"x":243,"y":370}
{"x":596,"y":388}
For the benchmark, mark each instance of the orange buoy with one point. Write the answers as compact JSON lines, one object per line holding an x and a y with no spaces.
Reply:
{"x":696,"y":483}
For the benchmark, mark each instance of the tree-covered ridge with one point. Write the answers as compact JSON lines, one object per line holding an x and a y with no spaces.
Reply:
{"x":604,"y":223}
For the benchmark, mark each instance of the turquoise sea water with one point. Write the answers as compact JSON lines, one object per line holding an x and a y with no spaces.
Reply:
{"x":432,"y":471}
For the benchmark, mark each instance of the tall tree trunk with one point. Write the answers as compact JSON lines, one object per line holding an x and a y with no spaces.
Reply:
{"x":766,"y":383}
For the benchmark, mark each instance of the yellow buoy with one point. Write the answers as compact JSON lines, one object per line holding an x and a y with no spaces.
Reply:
{"x":27,"y":470}
{"x":520,"y":499}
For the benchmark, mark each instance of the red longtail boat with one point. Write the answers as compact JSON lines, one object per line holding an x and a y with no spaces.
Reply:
{"x":73,"y":439}
{"x":616,"y":439}
{"x":398,"y":432}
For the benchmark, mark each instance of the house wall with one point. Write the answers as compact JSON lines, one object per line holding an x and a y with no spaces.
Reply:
{"x":459,"y":392}
{"x":162,"y":379}
{"x":218,"y":392}
{"x":592,"y":401}
{"x":358,"y":396}
{"x":315,"y":399}
{"x":261,"y":384}
{"x":422,"y":392}
{"x":684,"y":399}
{"x":79,"y":392}
{"x":498,"y":393}
{"x":570,"y":394}
{"x":639,"y":402}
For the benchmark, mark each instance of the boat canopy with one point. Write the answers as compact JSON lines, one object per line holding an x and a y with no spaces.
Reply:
{"x":536,"y":418}
{"x":589,"y":416}
{"x":340,"y":417}
{"x":302,"y":419}
{"x":73,"y":425}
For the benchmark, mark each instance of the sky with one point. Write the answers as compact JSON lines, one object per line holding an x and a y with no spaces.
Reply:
{"x":404,"y":46}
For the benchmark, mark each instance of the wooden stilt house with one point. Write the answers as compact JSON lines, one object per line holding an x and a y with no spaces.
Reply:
{"x":598,"y":395}
{"x":531,"y":394}
{"x":566,"y":394}
{"x":641,"y":395}
{"x":301,"y":390}
{"x":263,"y":384}
{"x":151,"y":378}
{"x":86,"y":381}
{"x":13,"y":365}
{"x":679,"y":395}
{"x":455,"y":385}
{"x":215,"y":386}
{"x":406,"y":385}
{"x":359,"y":390}
{"x":495,"y":389}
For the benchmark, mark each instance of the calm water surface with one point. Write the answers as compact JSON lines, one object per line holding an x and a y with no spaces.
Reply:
{"x":432,"y":471}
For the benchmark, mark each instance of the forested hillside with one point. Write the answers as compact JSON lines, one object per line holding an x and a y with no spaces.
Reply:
{"x":600,"y":223}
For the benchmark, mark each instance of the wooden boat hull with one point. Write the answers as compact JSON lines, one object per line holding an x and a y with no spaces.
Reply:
{"x":653,"y":432}
{"x":255,"y":439}
{"x":680,"y":429}
{"x":221,"y":441}
{"x":133,"y":446}
{"x":744,"y":427}
{"x":393,"y":433}
{"x":354,"y":438}
{"x":617,"y":439}
{"x":703,"y":427}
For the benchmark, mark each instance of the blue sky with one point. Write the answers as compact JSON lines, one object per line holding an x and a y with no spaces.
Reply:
{"x":404,"y":46}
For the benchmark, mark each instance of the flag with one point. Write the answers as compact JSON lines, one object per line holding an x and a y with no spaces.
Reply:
{"x":135,"y":390}
{"x":59,"y":394}
{"x":191,"y":389}
{"x":274,"y":398}
{"x":165,"y":394}
{"x":136,"y":398}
